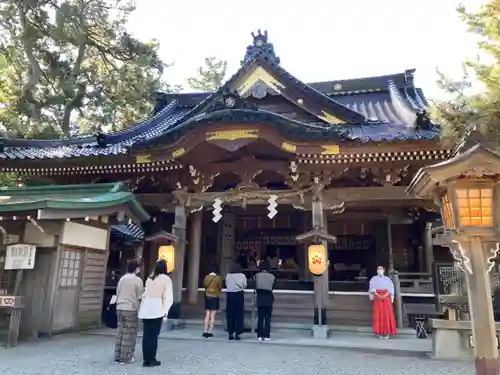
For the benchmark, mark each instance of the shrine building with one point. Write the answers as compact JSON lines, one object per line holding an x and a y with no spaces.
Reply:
{"x":208,"y":166}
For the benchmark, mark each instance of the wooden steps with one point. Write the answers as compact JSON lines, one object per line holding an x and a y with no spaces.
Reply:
{"x":295,"y":308}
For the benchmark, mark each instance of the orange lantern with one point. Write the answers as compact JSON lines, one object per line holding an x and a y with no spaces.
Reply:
{"x":167,"y":253}
{"x":316,"y":255}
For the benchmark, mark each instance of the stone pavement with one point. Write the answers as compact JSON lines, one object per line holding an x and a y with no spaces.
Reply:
{"x":407,"y":345}
{"x":93,"y":355}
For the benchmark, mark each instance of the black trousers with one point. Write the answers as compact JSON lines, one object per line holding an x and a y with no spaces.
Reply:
{"x":235,"y":309}
{"x":151,"y":331}
{"x":264,"y":321}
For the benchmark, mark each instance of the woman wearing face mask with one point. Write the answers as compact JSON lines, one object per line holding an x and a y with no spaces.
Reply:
{"x":382,"y":294}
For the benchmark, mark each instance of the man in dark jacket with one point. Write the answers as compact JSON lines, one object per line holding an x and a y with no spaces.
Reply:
{"x":264,"y":285}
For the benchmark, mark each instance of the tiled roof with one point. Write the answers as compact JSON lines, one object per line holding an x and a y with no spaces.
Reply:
{"x":387,"y":132}
{"x":130,"y":231}
{"x":116,"y":143}
{"x":377,"y":109}
{"x":68,"y":198}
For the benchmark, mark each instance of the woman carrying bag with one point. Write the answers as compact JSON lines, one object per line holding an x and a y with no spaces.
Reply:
{"x":213,"y":288}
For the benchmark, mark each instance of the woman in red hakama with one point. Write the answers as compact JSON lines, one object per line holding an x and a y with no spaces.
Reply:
{"x":382,"y":294}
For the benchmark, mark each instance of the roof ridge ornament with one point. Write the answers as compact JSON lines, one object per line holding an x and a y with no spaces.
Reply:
{"x":472,"y":138}
{"x":260,"y":46}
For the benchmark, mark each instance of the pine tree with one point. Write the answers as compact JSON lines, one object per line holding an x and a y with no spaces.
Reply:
{"x":466,"y":109}
{"x":70,"y":66}
{"x":210,"y":76}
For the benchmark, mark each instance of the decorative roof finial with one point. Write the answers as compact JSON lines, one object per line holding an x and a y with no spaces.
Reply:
{"x":472,"y":138}
{"x":260,"y":47}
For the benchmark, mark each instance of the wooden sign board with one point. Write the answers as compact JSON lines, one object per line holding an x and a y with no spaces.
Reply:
{"x":20,"y":257}
{"x":444,"y":275}
{"x":10,"y":301}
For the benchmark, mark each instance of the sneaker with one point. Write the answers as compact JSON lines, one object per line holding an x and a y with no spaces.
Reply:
{"x":210,"y":334}
{"x":205,"y":335}
{"x":237,"y":338}
{"x":130,"y":360}
{"x":260,"y":339}
{"x":267,"y":339}
{"x":231,"y":338}
{"x":118,"y":362}
{"x":386,"y":337}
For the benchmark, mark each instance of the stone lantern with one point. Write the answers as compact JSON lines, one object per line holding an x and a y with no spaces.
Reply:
{"x":466,"y":188}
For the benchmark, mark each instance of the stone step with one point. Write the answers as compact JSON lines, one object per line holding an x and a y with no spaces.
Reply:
{"x":344,"y":326}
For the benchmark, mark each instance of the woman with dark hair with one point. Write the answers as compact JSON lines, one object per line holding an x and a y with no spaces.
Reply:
{"x":264,"y":285}
{"x":128,"y":294}
{"x":156,"y":302}
{"x":236,"y":282}
{"x":213,"y":287}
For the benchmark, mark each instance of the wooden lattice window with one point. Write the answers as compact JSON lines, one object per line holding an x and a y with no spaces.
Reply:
{"x":69,"y":272}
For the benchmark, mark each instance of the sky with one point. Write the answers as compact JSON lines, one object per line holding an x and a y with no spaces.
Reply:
{"x":316,"y":40}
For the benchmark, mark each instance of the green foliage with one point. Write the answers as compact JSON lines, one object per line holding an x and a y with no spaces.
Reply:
{"x":465,"y":109}
{"x":69,"y":66}
{"x":210,"y":77}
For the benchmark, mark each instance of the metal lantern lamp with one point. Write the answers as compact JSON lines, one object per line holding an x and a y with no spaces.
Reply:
{"x":167,"y":253}
{"x":165,"y":243}
{"x":466,"y":189}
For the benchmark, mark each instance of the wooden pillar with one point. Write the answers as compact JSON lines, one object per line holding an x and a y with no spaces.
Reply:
{"x":306,"y":275}
{"x":194,"y":256}
{"x":320,"y":282}
{"x":389,"y":245}
{"x":428,"y":248}
{"x":395,"y":277}
{"x":481,"y":309}
{"x":179,"y":230}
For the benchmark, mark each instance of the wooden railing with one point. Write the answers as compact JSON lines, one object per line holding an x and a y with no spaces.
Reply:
{"x":416,"y":282}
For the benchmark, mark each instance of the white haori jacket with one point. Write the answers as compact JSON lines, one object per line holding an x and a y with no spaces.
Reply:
{"x":157,"y":298}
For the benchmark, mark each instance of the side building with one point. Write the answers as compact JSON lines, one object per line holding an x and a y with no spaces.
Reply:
{"x":355,"y":144}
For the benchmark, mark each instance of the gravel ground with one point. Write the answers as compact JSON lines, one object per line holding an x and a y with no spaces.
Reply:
{"x":92,"y":355}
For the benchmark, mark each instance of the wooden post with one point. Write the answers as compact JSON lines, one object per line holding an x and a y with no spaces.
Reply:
{"x":398,"y":299}
{"x":395,"y":277}
{"x":481,"y":309}
{"x":194,"y":256}
{"x":320,"y":282}
{"x":179,"y":230}
{"x":389,"y":246}
{"x":428,"y":248}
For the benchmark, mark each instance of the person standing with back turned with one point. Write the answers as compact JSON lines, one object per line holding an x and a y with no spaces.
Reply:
{"x":264,"y":285}
{"x":128,"y":294}
{"x":213,"y":288}
{"x":156,"y":302}
{"x":236,"y":282}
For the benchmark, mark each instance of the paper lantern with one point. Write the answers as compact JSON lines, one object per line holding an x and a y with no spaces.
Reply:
{"x":316,"y":255}
{"x":167,"y":253}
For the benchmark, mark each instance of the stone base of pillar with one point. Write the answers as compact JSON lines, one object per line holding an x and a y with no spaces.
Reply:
{"x":320,"y":332}
{"x":485,"y":366}
{"x":323,"y":317}
{"x":175,"y":311}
